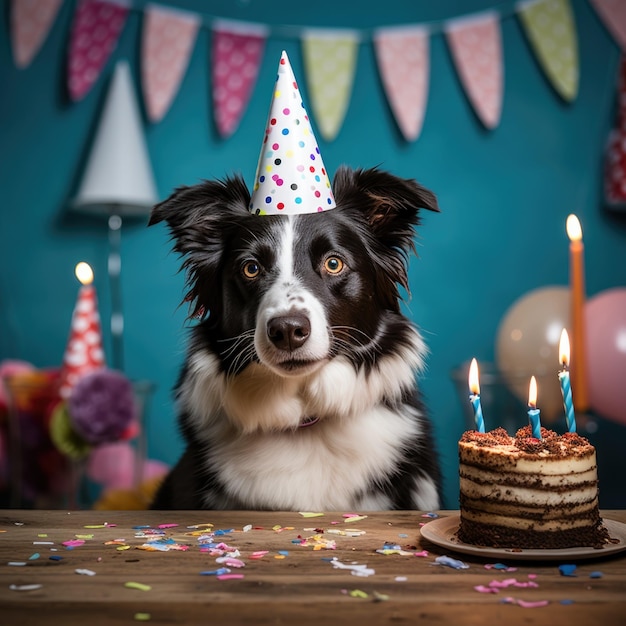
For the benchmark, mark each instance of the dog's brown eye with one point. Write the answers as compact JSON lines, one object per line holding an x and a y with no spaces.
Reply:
{"x":251,"y":269}
{"x":333,"y":265}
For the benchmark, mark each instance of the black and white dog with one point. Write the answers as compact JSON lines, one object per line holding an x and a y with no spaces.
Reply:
{"x":299,"y":391}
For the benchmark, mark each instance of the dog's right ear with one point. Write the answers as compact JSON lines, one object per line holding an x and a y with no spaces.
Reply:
{"x":197,"y":218}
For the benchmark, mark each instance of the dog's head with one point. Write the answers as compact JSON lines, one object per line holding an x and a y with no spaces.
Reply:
{"x":292,"y":292}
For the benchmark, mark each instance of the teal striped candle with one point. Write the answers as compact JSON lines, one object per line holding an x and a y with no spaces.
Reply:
{"x":533,"y":411}
{"x":474,"y":386}
{"x":568,"y":402}
{"x":566,"y":388}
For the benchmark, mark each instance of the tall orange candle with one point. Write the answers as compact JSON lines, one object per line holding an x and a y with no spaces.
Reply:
{"x":578,"y":356}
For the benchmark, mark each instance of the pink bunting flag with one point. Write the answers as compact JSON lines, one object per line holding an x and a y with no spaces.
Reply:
{"x":95,"y":31}
{"x":403,"y":61}
{"x":613,"y":14}
{"x":476,"y":47}
{"x":30,"y":22}
{"x":615,"y":164}
{"x":169,"y":36}
{"x":237,"y":54}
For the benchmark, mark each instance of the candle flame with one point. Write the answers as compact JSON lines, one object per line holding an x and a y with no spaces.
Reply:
{"x":84,"y":273}
{"x":473,"y":378}
{"x":532,"y":393}
{"x":574,"y":230}
{"x":564,"y":348}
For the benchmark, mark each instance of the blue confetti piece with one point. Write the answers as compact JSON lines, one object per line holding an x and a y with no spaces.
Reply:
{"x":596,"y":575}
{"x":500,"y":566}
{"x":216,"y":572}
{"x":403,"y":535}
{"x":221,"y":532}
{"x":566,"y":602}
{"x":450,"y":562}
{"x":34,"y":557}
{"x":567,"y":569}
{"x":283,"y":552}
{"x":55,"y":557}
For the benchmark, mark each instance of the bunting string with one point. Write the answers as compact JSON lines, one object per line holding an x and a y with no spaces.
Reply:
{"x":330,"y":55}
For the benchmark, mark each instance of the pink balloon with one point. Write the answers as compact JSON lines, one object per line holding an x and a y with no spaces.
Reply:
{"x":606,"y":353}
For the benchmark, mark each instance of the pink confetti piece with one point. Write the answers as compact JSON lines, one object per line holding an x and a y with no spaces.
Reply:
{"x":483,"y":589}
{"x":423,"y":553}
{"x":229,"y":576}
{"x":163,"y":526}
{"x":259,"y":554}
{"x":230,"y":562}
{"x":73,"y":543}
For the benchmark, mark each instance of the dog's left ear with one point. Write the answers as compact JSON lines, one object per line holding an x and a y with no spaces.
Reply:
{"x":391,"y":207}
{"x":392,"y":203}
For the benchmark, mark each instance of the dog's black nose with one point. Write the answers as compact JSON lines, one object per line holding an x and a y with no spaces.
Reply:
{"x":289,"y":332}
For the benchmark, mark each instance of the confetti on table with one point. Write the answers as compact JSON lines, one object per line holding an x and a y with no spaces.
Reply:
{"x":229,"y":576}
{"x":423,"y":553}
{"x":85,"y":572}
{"x":73,"y":543}
{"x":450,"y":562}
{"x":43,"y":543}
{"x":34,"y":557}
{"x":142,"y":617}
{"x":357,"y":593}
{"x":138,"y":586}
{"x":353,"y":518}
{"x":17,"y":563}
{"x":310,"y":514}
{"x":216,"y":572}
{"x":32,"y":587}
{"x":430,"y":515}
{"x":259,"y":554}
{"x":567,"y":569}
{"x":500,"y":566}
{"x":596,"y":575}
{"x":163,"y":526}
{"x":355,"y":568}
{"x":525,"y":604}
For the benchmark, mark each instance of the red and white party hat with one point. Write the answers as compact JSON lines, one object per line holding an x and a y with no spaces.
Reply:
{"x":290,"y":177}
{"x":84,"y":352}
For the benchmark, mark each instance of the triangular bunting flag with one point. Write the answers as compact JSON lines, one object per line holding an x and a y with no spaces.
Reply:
{"x":404,"y":64}
{"x":550,"y":28}
{"x":613,"y":14}
{"x":30,"y":23}
{"x":167,"y":42}
{"x":95,"y":31}
{"x":237,"y":54}
{"x":476,"y":47}
{"x":330,"y":59}
{"x":615,"y":164}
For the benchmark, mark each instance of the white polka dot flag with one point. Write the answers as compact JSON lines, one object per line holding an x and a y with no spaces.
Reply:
{"x":168,"y":38}
{"x":290,"y":176}
{"x":404,"y":65}
{"x":615,"y":165}
{"x":83,"y":353}
{"x":30,"y":22}
{"x":330,"y":61}
{"x":476,"y":46}
{"x":237,"y":53}
{"x":549,"y":26}
{"x":96,"y":28}
{"x":613,"y":14}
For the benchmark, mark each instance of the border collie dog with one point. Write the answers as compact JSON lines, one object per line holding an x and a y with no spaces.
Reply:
{"x":298,"y":391}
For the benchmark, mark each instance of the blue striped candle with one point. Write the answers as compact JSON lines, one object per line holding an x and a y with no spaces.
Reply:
{"x":568,"y":402}
{"x":475,"y":396}
{"x":566,"y":388}
{"x":533,"y":411}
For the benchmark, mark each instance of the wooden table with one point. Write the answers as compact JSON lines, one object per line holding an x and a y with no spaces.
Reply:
{"x":291,"y":584}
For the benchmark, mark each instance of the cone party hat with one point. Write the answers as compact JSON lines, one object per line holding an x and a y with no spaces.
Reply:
{"x":290,"y":177}
{"x":84,"y":352}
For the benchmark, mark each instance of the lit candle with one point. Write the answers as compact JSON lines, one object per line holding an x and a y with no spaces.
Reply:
{"x":577,"y":290}
{"x":533,"y":411}
{"x":566,"y":389}
{"x":475,"y":396}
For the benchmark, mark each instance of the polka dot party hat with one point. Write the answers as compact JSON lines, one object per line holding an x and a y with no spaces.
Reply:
{"x":83,"y":353}
{"x":290,"y":178}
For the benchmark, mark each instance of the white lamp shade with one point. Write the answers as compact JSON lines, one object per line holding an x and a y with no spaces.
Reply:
{"x":118,"y":178}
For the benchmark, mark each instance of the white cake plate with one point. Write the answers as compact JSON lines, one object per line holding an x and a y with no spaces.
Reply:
{"x":442,"y":532}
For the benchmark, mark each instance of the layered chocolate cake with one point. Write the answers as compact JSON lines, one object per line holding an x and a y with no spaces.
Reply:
{"x":522,"y":492}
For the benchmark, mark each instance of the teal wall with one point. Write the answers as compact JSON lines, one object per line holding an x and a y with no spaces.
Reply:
{"x":504,"y":194}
